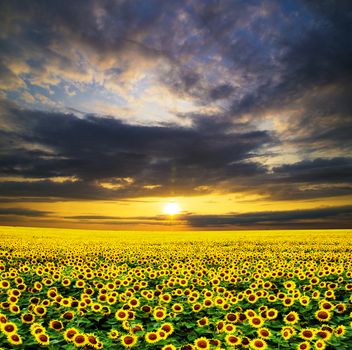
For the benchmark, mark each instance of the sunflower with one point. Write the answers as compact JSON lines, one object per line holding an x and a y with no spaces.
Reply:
{"x":133,"y":302}
{"x":258,"y":343}
{"x":3,"y":319}
{"x":291,"y":318}
{"x":323,"y":315}
{"x":167,"y":327}
{"x":96,"y":307}
{"x":40,"y":310}
{"x":159,"y":314}
{"x":287,"y":332}
{"x":287,"y":302}
{"x":165,"y":298}
{"x":92,"y":340}
{"x":80,"y":340}
{"x":152,"y":337}
{"x":125,"y":325}
{"x":52,"y":294}
{"x":303,"y":346}
{"x":256,"y":321}
{"x":316,"y":294}
{"x":326,"y":305}
{"x":80,"y":283}
{"x":113,"y":334}
{"x":177,"y":307}
{"x":304,"y":300}
{"x":245,"y":342}
{"x":229,"y":328}
{"x":102,"y":298}
{"x":187,"y":347}
{"x":146,"y":308}
{"x":121,"y":315}
{"x":129,"y":340}
{"x":215,"y":343}
{"x":37,"y":328}
{"x":250,"y":313}
{"x":55,"y":324}
{"x":111,"y":300}
{"x":340,"y":331}
{"x":271,"y":314}
{"x":162,"y":334}
{"x":12,"y":299}
{"x":5,"y":305}
{"x":42,"y":339}
{"x":197,"y":307}
{"x":68,"y":315}
{"x":168,"y":347}
{"x":341,"y":308}
{"x":9,"y":327}
{"x":136,"y":328}
{"x":208,"y":302}
{"x":231,"y":317}
{"x":27,"y":318}
{"x":203,"y":322}
{"x":264,"y":333}
{"x":307,"y":333}
{"x":70,"y":333}
{"x":65,"y":302}
{"x":46,"y":302}
{"x":232,"y":340}
{"x":202,"y":343}
{"x":4,"y":284}
{"x":329,"y":294}
{"x":271,"y":298}
{"x":320,"y":345}
{"x":220,"y":326}
{"x":252,"y":298}
{"x":290,"y":285}
{"x":14,"y":339}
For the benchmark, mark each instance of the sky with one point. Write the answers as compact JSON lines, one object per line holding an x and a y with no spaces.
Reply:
{"x":240,"y":112}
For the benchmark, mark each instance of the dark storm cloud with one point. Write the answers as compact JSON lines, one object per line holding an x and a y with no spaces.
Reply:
{"x":98,"y":155}
{"x":341,"y":215}
{"x":320,"y":170}
{"x":23,"y":212}
{"x":316,"y":178}
{"x":95,"y":149}
{"x":47,"y":189}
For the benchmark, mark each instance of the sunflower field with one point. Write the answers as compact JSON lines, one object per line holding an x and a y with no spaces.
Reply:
{"x":80,"y":289}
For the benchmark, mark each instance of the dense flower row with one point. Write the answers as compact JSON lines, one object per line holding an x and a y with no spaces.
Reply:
{"x":227,"y":291}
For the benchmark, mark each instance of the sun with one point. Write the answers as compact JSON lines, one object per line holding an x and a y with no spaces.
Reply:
{"x":172,"y":208}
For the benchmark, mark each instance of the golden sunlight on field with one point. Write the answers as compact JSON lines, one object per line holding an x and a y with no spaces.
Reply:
{"x":68,"y":289}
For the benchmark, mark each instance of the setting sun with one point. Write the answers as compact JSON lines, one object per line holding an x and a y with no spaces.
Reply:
{"x":171,"y":208}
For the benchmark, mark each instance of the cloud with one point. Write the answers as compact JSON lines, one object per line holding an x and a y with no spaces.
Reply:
{"x":23,"y":212}
{"x":329,"y":216}
{"x":9,"y":80}
{"x":94,"y":155}
{"x":319,"y":170}
{"x":99,"y":150}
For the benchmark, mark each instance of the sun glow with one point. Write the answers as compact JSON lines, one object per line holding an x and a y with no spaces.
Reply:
{"x":171,"y":208}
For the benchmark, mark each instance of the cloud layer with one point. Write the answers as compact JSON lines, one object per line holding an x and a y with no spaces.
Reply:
{"x":114,"y":100}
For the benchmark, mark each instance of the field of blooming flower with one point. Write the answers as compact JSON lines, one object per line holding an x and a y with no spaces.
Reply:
{"x":71,"y":289}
